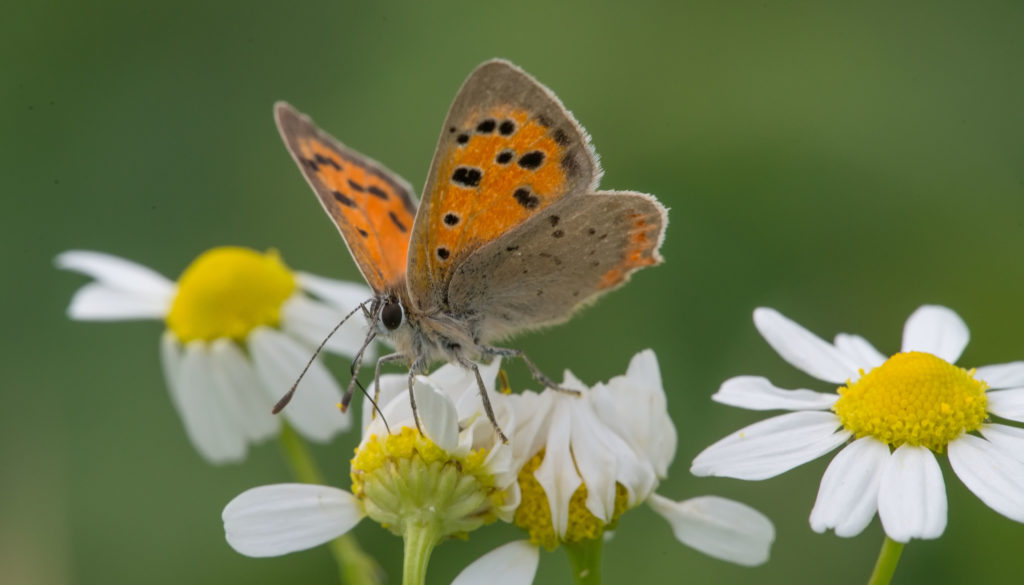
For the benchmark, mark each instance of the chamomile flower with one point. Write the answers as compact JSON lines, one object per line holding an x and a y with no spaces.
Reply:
{"x":240,"y":327}
{"x":586,"y":459}
{"x":896,"y":413}
{"x":426,"y":487}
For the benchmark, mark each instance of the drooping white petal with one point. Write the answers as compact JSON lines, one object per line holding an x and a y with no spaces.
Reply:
{"x":1007,"y":403}
{"x":860,"y":351}
{"x":101,"y":302}
{"x":936,"y":330}
{"x":170,"y":358}
{"x":342,"y":294}
{"x":557,"y":472}
{"x":279,"y":360}
{"x":213,"y":431}
{"x":991,"y":472}
{"x":246,"y":400}
{"x":803,"y":349}
{"x":437,"y":414}
{"x":273,"y":520}
{"x":719,"y":527}
{"x":1002,"y":375}
{"x":514,"y":563}
{"x":757,"y":393}
{"x":1010,"y":439}
{"x":772,"y":446}
{"x":117,"y":272}
{"x":848,"y":496}
{"x":912,"y":496}
{"x":634,"y":407}
{"x":313,"y":321}
{"x":603,"y":459}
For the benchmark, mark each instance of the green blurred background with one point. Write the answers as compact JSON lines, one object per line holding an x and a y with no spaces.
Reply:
{"x":841,"y":163}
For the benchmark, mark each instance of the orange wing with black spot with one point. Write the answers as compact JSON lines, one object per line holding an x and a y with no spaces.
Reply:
{"x":508,"y":150}
{"x":372,"y":207}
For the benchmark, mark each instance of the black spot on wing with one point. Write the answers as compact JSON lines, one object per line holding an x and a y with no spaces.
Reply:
{"x":531,"y":160}
{"x":504,"y":157}
{"x":467,"y":176}
{"x":343,"y":199}
{"x":450,"y":219}
{"x":328,"y":161}
{"x":507,"y":128}
{"x":377,"y":192}
{"x":398,"y":223}
{"x":486,"y":127}
{"x":526,"y":199}
{"x":356,"y":186}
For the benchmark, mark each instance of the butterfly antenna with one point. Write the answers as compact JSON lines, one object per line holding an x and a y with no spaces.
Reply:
{"x":353,"y":370}
{"x":283,"y":402}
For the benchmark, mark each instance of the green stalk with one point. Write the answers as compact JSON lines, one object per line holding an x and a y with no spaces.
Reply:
{"x":420,"y":539}
{"x":885,"y":566}
{"x":355,"y":567}
{"x":585,"y":558}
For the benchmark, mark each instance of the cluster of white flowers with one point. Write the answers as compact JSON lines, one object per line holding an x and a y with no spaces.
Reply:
{"x":241,"y":325}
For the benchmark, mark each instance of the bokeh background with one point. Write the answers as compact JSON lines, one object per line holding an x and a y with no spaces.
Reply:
{"x":842,"y":162}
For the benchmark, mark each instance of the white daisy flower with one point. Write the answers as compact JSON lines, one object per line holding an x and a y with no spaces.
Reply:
{"x":240,"y":328}
{"x":897,"y":413}
{"x":584,"y":460}
{"x":425,"y":487}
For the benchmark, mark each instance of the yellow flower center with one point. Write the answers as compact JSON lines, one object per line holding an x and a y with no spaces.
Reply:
{"x":228,"y":292}
{"x":534,"y":512}
{"x":405,"y":479}
{"x":913,"y":398}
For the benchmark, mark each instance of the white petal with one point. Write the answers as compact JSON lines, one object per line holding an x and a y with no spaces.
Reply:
{"x":848,"y":495}
{"x":100,"y":302}
{"x":1002,"y":375}
{"x":773,"y":446}
{"x":514,"y":563}
{"x":860,"y":350}
{"x":343,"y":294}
{"x":313,"y":410}
{"x":604,"y":459}
{"x":1010,"y":439}
{"x":313,"y":321}
{"x":757,"y":393}
{"x":437,"y":414}
{"x":557,"y":473}
{"x":991,"y":472}
{"x":391,"y":386}
{"x":912,"y":496}
{"x":802,"y":348}
{"x":247,"y":402}
{"x":213,"y":431}
{"x":1007,"y":403}
{"x":117,"y":272}
{"x":936,"y":330}
{"x":170,"y":357}
{"x":273,"y":520}
{"x":718,"y":527}
{"x":634,"y":407}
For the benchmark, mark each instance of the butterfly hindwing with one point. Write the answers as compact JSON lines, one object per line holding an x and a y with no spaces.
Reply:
{"x":508,"y":150}
{"x":372,"y":207}
{"x":565,"y":256}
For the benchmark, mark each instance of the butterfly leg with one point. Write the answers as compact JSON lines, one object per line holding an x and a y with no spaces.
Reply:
{"x":483,"y":397}
{"x":391,"y":357}
{"x":534,"y":370}
{"x":414,"y":369}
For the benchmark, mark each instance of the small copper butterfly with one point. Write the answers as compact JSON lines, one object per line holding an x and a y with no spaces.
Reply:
{"x":511,"y":234}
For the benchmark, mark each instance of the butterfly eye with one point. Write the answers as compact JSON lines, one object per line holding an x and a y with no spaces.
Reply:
{"x":391,"y":315}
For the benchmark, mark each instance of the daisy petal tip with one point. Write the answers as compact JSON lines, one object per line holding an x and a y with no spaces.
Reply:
{"x":514,"y":563}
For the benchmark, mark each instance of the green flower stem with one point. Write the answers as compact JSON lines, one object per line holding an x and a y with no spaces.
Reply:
{"x":585,"y":558}
{"x":420,"y":540}
{"x":355,"y":567}
{"x":885,"y":566}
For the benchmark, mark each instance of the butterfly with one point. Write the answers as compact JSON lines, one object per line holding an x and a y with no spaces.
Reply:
{"x":511,"y":233}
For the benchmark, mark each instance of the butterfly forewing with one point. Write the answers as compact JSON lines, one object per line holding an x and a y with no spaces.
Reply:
{"x":565,"y":256}
{"x":508,"y":151}
{"x":372,"y":206}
